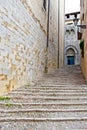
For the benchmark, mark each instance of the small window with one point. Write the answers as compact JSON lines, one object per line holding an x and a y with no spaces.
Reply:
{"x":75,"y":15}
{"x":68,"y":16}
{"x":44,"y":4}
{"x":83,"y":16}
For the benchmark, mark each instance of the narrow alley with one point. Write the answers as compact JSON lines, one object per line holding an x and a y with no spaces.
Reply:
{"x":43,"y":65}
{"x":57,"y":102}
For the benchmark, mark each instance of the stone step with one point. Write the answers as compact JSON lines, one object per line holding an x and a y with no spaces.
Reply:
{"x":63,"y":85}
{"x":73,"y":105}
{"x":52,"y":105}
{"x":47,"y":125}
{"x":62,"y":78}
{"x":50,"y":90}
{"x":58,"y":82}
{"x":73,"y":119}
{"x":62,"y":82}
{"x":30,"y":93}
{"x":54,"y":92}
{"x":46,"y":97}
{"x":42,"y":113}
{"x":45,"y":100}
{"x":77,"y":89}
{"x":41,"y":110}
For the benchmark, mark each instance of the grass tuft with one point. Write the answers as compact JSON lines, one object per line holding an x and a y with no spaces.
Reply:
{"x":4,"y":98}
{"x":9,"y":104}
{"x":27,"y":85}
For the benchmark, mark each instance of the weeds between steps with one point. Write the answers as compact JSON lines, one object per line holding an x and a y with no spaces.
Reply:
{"x":9,"y":105}
{"x":27,"y":85}
{"x":4,"y":98}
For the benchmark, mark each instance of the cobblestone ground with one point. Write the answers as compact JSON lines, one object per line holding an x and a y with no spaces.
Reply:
{"x":57,"y":102}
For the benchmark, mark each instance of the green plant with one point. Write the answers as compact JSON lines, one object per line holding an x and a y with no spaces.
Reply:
{"x":46,"y":69}
{"x":82,"y":47}
{"x":4,"y":98}
{"x":27,"y":85}
{"x":9,"y":104}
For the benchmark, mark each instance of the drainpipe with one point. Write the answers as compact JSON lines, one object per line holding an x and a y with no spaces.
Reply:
{"x":58,"y":30}
{"x":48,"y":20}
{"x":61,"y":31}
{"x":47,"y":45}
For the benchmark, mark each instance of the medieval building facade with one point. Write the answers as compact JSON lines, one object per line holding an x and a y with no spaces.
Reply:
{"x":29,"y":40}
{"x":72,"y":48}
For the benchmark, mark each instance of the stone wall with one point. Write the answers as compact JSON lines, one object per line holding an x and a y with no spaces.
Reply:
{"x":61,"y":34}
{"x":23,"y":41}
{"x":84,"y":37}
{"x":53,"y":36}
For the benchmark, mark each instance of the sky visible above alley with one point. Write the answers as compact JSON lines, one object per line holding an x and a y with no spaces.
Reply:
{"x":72,"y":6}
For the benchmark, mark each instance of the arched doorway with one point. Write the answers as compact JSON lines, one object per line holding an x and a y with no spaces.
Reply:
{"x":70,"y":56}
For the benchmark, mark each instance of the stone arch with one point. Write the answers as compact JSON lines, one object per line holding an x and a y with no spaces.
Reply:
{"x":71,"y":47}
{"x":70,"y":51}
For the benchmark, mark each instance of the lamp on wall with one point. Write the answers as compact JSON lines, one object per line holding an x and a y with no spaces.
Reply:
{"x":82,"y":26}
{"x":75,"y":21}
{"x":76,"y":24}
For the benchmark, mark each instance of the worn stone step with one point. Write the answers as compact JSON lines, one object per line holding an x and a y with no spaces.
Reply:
{"x":54,"y":92}
{"x":55,"y":87}
{"x":59,"y":89}
{"x":45,"y":100}
{"x":47,"y":125}
{"x":73,"y":119}
{"x":43,"y":94}
{"x":45,"y":105}
{"x":63,"y":85}
{"x":56,"y":82}
{"x":41,"y":110}
{"x":47,"y":97}
{"x":14,"y":105}
{"x":33,"y":106}
{"x":42,"y":113}
{"x":68,"y":105}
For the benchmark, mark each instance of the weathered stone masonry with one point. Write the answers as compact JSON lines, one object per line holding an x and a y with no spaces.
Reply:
{"x":83,"y":19}
{"x":23,"y":39}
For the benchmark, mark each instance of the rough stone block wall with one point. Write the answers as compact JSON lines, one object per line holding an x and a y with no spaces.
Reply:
{"x":84,"y":37}
{"x":53,"y":36}
{"x":23,"y":37}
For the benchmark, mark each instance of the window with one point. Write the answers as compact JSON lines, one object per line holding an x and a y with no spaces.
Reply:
{"x":44,"y":4}
{"x":67,"y":16}
{"x":75,"y":15}
{"x":83,"y":16}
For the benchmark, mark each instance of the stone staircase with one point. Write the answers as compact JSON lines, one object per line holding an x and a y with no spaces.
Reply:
{"x":57,"y":102}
